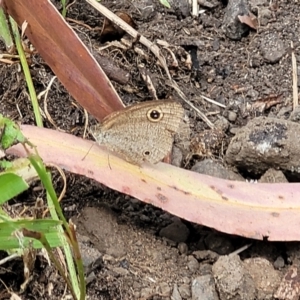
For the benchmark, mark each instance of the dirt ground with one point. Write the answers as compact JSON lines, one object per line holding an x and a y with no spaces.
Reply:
{"x":136,"y":251}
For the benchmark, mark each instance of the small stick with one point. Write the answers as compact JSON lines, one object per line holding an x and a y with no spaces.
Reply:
{"x":295,"y":79}
{"x":152,"y":47}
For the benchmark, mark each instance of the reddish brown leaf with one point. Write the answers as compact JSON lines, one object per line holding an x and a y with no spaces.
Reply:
{"x":67,"y":56}
{"x":263,"y":104}
{"x":112,"y":32}
{"x":249,"y":20}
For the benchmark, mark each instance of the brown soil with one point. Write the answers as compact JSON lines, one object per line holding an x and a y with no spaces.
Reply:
{"x":138,"y":251}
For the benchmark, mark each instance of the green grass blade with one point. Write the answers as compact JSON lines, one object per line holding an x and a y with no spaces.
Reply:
{"x":165,"y":3}
{"x":11,"y":233}
{"x":31,"y":89}
{"x":4,"y":31}
{"x":11,"y":185}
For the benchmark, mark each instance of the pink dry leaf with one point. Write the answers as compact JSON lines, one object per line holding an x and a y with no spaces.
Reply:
{"x":251,"y":210}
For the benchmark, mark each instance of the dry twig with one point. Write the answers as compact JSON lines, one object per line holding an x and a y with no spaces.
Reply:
{"x":295,"y":79}
{"x":152,"y":47}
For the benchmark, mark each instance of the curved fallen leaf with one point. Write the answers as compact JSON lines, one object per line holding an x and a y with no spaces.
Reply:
{"x":251,"y":210}
{"x":67,"y":56}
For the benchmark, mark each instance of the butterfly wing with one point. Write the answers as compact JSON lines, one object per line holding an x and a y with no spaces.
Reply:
{"x":143,"y":132}
{"x":152,"y":145}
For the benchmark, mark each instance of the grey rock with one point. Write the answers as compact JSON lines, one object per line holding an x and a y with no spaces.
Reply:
{"x":147,"y":9}
{"x":273,"y":176}
{"x":215,"y":169}
{"x":120,"y":271}
{"x":185,"y":291}
{"x":177,"y":156}
{"x":91,"y":257}
{"x":265,"y":278}
{"x":253,"y":94}
{"x":222,"y":123}
{"x":265,"y":15}
{"x":158,"y":257}
{"x":232,"y":116}
{"x":279,"y":263}
{"x":183,"y":248}
{"x":144,"y":218}
{"x":176,"y":232}
{"x":272,"y":48}
{"x":186,"y":280}
{"x":266,"y":143}
{"x":181,"y":7}
{"x":164,"y":289}
{"x":208,"y":3}
{"x":295,"y":115}
{"x":216,"y":44}
{"x":205,"y":269}
{"x":146,"y":293}
{"x":233,"y":28}
{"x":232,"y":279}
{"x":218,"y":243}
{"x":193,"y":264}
{"x":90,"y":278}
{"x":175,"y":294}
{"x":285,"y":112}
{"x":206,"y":255}
{"x":203,"y":287}
{"x":255,"y":3}
{"x":288,"y":288}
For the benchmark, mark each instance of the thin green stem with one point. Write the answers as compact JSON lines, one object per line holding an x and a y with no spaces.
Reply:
{"x":64,"y":8}
{"x":31,"y":89}
{"x":56,"y":213}
{"x":4,"y":31}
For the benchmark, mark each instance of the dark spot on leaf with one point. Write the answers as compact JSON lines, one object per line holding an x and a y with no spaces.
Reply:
{"x":275,"y":214}
{"x":161,"y":197}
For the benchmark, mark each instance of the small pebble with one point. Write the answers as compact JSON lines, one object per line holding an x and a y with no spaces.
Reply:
{"x":218,"y":243}
{"x":232,"y":279}
{"x":165,"y":290}
{"x":183,"y":248}
{"x":193,"y":264}
{"x":206,"y":255}
{"x":175,"y":293}
{"x":266,"y":279}
{"x":177,"y":232}
{"x":215,"y":169}
{"x":272,"y":47}
{"x":265,"y":15}
{"x":146,"y":293}
{"x":185,"y":291}
{"x":295,"y":115}
{"x":232,"y":116}
{"x":203,"y":287}
{"x":120,"y":271}
{"x":279,"y":263}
